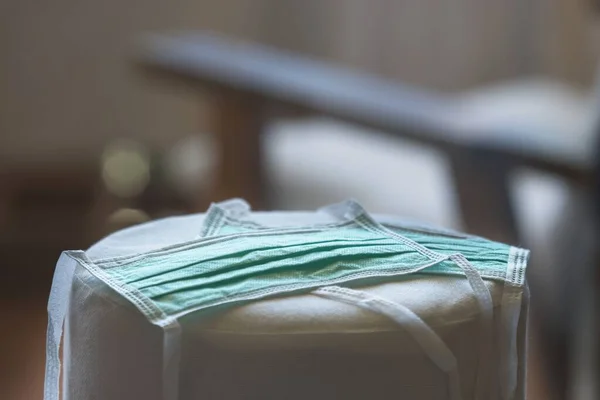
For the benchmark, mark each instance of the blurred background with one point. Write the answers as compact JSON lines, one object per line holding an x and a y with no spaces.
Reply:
{"x":99,"y":132}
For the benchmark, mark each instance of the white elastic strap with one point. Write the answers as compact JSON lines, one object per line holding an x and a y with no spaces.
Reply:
{"x":486,"y":306}
{"x":58,"y":306}
{"x":235,"y":208}
{"x":510,"y":307}
{"x":346,"y":210}
{"x":218,"y":212}
{"x":509,"y":363}
{"x":351,"y":209}
{"x":171,"y":359}
{"x":428,"y":340}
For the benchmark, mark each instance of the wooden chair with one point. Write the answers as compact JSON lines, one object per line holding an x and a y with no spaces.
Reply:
{"x":251,"y":84}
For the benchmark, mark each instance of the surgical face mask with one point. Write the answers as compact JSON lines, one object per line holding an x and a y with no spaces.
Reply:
{"x":236,"y":260}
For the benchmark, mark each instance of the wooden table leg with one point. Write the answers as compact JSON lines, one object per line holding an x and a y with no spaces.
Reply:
{"x":482,"y":184}
{"x":237,"y":120}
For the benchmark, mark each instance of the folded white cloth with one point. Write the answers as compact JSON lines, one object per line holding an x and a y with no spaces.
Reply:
{"x":294,"y":347}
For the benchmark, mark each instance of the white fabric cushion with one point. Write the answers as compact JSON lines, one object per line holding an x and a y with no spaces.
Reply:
{"x":293,"y":347}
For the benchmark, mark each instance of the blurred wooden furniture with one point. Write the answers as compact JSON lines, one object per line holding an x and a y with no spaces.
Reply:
{"x":43,"y":210}
{"x":251,"y":84}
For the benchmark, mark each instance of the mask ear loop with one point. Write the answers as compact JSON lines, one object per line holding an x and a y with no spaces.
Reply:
{"x":352,"y":209}
{"x":511,"y":303}
{"x":486,"y":306}
{"x":235,"y":208}
{"x":58,"y":306}
{"x":218,"y":213}
{"x":428,"y":340}
{"x":171,"y":359}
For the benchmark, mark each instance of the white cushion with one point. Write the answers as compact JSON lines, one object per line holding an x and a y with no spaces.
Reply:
{"x":293,"y":347}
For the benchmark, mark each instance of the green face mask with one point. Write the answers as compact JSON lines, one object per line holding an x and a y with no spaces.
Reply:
{"x":236,"y":260}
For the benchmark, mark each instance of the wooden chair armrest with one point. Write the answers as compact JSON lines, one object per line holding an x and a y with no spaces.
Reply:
{"x":284,"y":78}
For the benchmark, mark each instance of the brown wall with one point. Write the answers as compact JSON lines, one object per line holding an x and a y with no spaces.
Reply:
{"x":67,"y":83}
